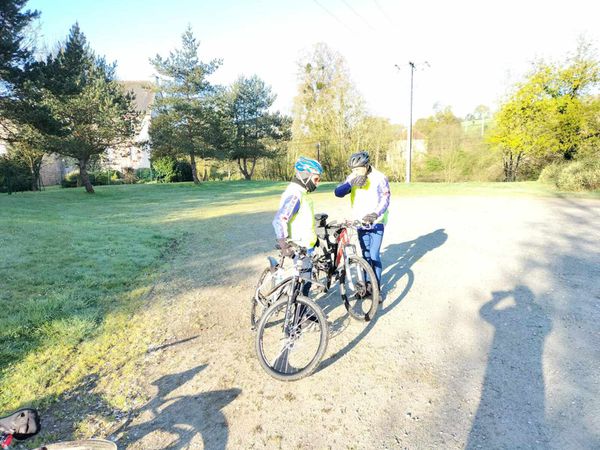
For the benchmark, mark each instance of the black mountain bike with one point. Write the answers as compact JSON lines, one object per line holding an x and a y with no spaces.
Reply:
{"x":292,"y":332}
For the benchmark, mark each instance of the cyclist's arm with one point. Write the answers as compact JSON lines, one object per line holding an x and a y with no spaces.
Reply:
{"x":383,"y":197}
{"x":289,"y":206}
{"x":343,"y":189}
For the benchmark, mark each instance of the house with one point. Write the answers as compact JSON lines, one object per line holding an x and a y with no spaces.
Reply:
{"x":397,"y":152}
{"x":136,"y":156}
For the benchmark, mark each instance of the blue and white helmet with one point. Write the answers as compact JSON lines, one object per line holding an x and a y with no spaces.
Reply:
{"x":306,"y":166}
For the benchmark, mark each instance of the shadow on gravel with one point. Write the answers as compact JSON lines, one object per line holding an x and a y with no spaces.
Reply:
{"x":153,"y":349}
{"x":397,"y":261}
{"x":511,"y":408}
{"x":176,"y":420}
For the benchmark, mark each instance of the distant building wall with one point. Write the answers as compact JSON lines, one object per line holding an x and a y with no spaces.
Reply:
{"x":52,"y":170}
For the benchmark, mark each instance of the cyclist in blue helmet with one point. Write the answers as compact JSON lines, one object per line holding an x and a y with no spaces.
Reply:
{"x":369,"y":191}
{"x":295,"y":218}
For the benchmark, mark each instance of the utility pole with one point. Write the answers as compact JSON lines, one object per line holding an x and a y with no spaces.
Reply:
{"x":319,"y":151}
{"x":413,"y":66}
{"x":410,"y":121}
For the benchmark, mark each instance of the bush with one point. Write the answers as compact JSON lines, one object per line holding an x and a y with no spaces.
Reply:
{"x":550,"y":173}
{"x":70,"y":179}
{"x":97,"y":178}
{"x":183,"y":171}
{"x":144,"y":175}
{"x":164,"y":169}
{"x":14,"y":175}
{"x":581,"y":175}
{"x":129,"y":176}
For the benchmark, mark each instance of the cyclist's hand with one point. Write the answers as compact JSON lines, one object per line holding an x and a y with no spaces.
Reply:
{"x":357,"y":180}
{"x":285,"y":247}
{"x":369,"y":218}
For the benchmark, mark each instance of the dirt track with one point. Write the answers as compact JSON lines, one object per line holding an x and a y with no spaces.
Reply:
{"x":489,"y":337}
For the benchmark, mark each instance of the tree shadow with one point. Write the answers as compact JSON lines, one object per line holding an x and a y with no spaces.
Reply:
{"x":398,"y":260}
{"x":511,"y":409}
{"x":177,"y":419}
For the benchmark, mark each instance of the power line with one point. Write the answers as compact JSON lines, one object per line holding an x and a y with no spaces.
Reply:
{"x":383,"y":13}
{"x":334,"y":16}
{"x":358,"y":15}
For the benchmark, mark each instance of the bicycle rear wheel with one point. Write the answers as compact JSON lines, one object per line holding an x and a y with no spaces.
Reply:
{"x":360,"y":304}
{"x":294,"y":351}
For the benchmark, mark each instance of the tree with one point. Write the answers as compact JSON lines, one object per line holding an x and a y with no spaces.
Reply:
{"x":82,"y":95}
{"x":28,"y":147}
{"x":377,"y":134}
{"x":256,"y":132}
{"x":327,"y":109}
{"x":14,"y":53}
{"x":548,"y":115}
{"x":186,"y":111}
{"x":445,"y":137}
{"x":15,"y":56}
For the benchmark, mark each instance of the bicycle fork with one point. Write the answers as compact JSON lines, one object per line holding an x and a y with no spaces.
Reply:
{"x":349,"y":251}
{"x":289,"y":321}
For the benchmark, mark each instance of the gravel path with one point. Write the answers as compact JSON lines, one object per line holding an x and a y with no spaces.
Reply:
{"x":489,"y":337}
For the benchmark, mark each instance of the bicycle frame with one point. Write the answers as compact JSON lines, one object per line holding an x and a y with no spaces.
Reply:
{"x":294,"y":283}
{"x":342,"y":249}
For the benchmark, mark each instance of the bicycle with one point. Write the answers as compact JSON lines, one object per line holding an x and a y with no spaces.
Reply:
{"x":339,"y":261}
{"x":25,"y":424}
{"x":293,"y":332}
{"x":337,"y":258}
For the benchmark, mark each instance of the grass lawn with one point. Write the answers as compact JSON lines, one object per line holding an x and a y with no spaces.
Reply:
{"x":74,"y":269}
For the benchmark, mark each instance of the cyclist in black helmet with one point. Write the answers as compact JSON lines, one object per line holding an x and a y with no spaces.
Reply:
{"x":369,"y":191}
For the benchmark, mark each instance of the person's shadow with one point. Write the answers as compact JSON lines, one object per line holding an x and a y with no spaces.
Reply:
{"x":176,"y":420}
{"x":511,"y":409}
{"x":397,"y":260}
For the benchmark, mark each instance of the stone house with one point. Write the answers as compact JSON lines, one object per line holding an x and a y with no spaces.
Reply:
{"x":136,"y":156}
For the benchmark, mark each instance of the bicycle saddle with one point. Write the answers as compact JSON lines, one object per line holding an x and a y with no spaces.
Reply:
{"x":22,"y":424}
{"x":321,"y":219}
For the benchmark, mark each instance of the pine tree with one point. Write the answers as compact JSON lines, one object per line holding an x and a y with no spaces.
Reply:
{"x":14,"y":53}
{"x":81,"y":94}
{"x":187,"y":106}
{"x":256,"y":131}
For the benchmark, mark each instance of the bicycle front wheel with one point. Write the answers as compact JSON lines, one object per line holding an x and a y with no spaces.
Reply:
{"x":87,"y":444}
{"x":293,"y":350}
{"x":259,"y":303}
{"x":361,"y":302}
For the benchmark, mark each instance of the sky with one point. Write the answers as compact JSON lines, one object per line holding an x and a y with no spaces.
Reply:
{"x":474,"y":50}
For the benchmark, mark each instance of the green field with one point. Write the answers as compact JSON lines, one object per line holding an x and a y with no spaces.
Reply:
{"x":76,"y":268}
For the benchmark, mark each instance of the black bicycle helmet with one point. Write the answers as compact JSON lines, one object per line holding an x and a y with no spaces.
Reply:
{"x":360,"y":159}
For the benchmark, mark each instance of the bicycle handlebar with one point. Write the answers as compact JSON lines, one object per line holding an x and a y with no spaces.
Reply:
{"x":302,"y":251}
{"x":350,"y":224}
